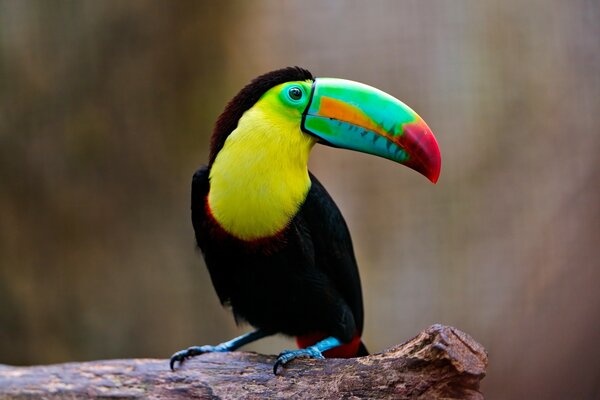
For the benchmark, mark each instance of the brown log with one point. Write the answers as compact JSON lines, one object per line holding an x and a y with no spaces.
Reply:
{"x":441,"y":362}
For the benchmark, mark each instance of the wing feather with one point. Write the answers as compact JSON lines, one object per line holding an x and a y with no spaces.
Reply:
{"x":200,"y":188}
{"x":333,"y":251}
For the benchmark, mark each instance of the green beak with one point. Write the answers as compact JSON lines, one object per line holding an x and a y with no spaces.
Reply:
{"x":359,"y":117}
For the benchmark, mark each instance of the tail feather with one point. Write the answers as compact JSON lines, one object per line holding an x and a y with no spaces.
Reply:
{"x":362,"y":350}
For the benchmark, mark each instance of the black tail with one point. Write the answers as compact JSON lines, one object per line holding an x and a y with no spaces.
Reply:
{"x":362,"y":350}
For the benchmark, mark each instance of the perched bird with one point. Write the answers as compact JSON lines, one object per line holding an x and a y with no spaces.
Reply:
{"x":277,"y":247}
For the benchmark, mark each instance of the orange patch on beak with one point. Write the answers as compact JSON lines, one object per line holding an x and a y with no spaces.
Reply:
{"x":339,"y":110}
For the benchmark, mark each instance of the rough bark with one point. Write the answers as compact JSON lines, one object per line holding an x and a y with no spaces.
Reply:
{"x":441,"y":362}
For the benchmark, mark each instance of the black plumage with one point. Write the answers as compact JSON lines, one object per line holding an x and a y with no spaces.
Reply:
{"x":302,"y":281}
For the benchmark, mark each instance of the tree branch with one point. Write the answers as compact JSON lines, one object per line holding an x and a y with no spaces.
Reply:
{"x":441,"y":362}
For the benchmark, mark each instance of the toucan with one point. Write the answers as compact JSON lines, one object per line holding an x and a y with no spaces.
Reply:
{"x":277,"y":248}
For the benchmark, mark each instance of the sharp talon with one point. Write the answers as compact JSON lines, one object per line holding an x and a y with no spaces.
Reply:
{"x":182,"y":355}
{"x":179,"y":356}
{"x":282,"y":359}
{"x":277,"y":364}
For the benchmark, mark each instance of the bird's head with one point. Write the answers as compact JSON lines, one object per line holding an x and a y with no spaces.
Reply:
{"x":334,"y":112}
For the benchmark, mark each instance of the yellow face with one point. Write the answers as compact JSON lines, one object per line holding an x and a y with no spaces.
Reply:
{"x":259,"y":179}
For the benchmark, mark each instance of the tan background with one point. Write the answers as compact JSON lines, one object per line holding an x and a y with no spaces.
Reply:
{"x":105,"y":112}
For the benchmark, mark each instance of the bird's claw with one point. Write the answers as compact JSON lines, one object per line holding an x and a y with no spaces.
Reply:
{"x":190,"y":352}
{"x":288,"y":355}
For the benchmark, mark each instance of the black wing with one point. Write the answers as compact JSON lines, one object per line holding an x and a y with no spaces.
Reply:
{"x":200,"y":187}
{"x":333,"y":250}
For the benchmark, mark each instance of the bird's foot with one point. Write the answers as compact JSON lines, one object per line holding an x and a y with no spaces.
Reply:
{"x":288,"y":355}
{"x":231,"y":345}
{"x":193,"y":351}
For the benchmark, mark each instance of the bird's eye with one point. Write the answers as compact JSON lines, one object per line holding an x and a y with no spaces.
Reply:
{"x":295,"y":93}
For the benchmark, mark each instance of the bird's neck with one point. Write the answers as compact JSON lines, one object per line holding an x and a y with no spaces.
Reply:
{"x":260,"y":179}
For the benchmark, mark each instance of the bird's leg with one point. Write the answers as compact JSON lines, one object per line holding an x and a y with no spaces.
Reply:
{"x":230,"y":345}
{"x":314,"y":351}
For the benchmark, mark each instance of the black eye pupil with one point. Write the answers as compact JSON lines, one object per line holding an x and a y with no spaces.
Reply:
{"x":295,"y":93}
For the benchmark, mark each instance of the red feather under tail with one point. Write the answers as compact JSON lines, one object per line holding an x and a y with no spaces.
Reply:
{"x":354,"y":348}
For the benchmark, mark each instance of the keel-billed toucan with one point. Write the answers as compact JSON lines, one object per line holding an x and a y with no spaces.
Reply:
{"x":275,"y":244}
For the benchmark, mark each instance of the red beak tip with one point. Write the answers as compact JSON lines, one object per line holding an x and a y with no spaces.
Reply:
{"x":435,"y":178}
{"x":423,"y":147}
{"x":434,"y":172}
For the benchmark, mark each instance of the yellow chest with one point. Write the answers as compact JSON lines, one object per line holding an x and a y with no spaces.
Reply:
{"x":260,"y":179}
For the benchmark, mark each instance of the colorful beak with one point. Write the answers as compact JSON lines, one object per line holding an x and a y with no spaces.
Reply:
{"x":359,"y":117}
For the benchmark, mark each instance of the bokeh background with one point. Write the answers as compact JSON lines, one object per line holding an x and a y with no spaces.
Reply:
{"x":106,"y":108}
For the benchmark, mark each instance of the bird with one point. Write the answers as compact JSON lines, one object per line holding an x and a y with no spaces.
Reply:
{"x":277,"y":248}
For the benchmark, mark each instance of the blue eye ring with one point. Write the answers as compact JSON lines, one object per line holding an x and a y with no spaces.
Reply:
{"x":295,"y":93}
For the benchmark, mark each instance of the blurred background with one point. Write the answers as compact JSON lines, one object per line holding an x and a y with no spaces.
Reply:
{"x":106,"y":110}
